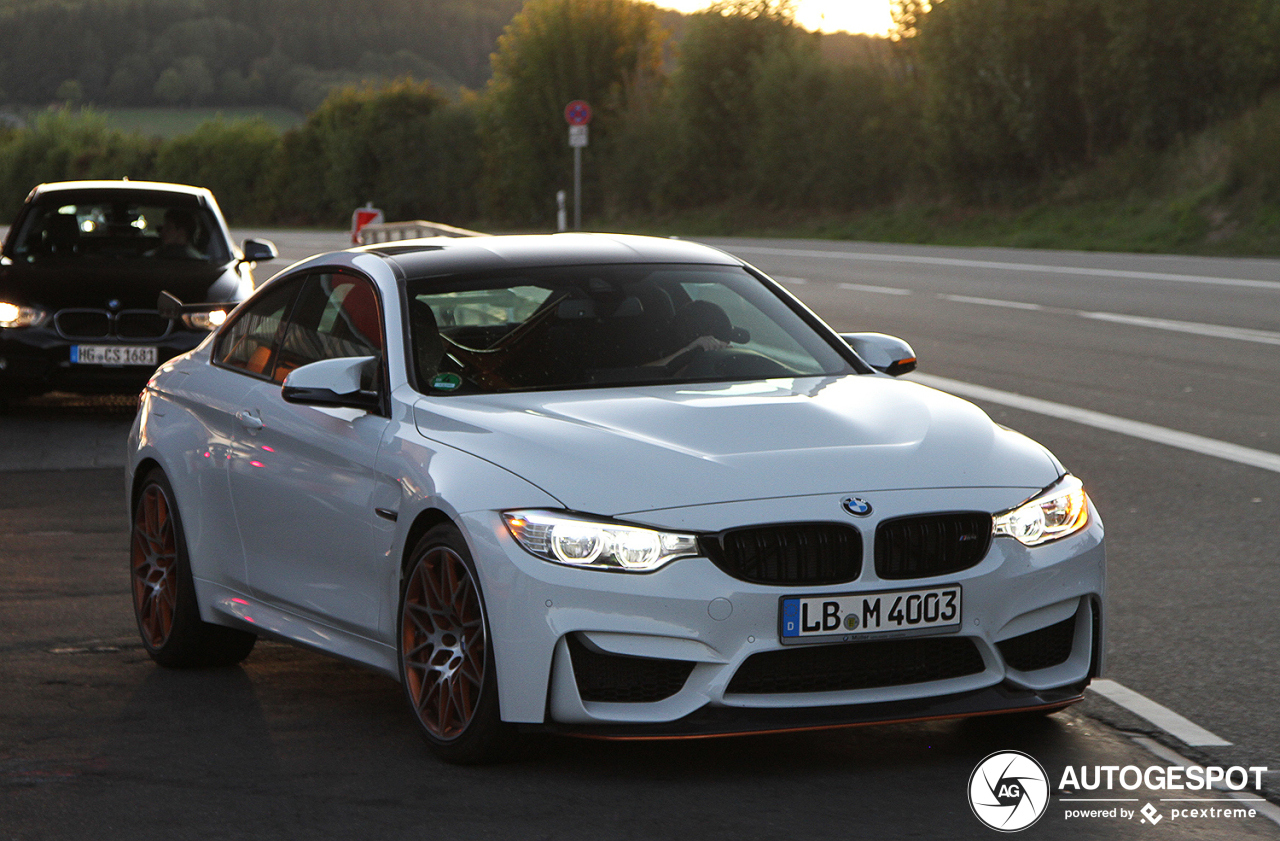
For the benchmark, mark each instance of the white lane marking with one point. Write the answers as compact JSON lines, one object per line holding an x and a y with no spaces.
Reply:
{"x":1243,"y":334}
{"x":1217,"y":331}
{"x":1010,"y":267}
{"x":1136,"y":429}
{"x":791,"y":281}
{"x":991,"y":302}
{"x":1161,"y":716}
{"x":1265,"y":808}
{"x":883,"y":290}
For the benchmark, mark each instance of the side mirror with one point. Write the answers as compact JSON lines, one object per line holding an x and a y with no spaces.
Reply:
{"x":259,"y":250}
{"x":887,"y":354}
{"x":333,"y":382}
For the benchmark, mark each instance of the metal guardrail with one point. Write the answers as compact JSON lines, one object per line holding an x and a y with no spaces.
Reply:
{"x":394,"y":231}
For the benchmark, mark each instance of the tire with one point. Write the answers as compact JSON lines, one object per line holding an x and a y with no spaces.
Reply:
{"x":445,"y":653}
{"x":164,"y":595}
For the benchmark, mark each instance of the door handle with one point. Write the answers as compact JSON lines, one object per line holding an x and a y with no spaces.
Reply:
{"x":249,"y":420}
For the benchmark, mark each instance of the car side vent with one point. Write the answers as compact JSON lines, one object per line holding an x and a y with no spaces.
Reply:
{"x":931,"y":544}
{"x":1040,"y":649}
{"x":620,"y":679}
{"x":793,"y":553}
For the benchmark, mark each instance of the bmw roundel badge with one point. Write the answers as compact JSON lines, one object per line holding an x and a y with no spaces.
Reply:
{"x":856,"y":506}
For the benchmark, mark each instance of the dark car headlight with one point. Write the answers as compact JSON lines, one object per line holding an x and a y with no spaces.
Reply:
{"x":211,"y":320}
{"x":15,"y":315}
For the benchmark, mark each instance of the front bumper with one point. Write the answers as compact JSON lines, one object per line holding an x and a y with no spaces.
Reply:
{"x":1032,"y":632}
{"x":38,"y":360}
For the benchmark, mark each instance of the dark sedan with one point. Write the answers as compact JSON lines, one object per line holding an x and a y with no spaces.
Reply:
{"x":80,"y":273}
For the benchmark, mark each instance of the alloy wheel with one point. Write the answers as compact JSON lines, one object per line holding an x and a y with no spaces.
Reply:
{"x":154,"y":566}
{"x":443,"y":643}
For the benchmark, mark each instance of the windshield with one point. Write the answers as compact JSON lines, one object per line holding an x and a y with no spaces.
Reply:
{"x":152,"y":229}
{"x":586,"y":326}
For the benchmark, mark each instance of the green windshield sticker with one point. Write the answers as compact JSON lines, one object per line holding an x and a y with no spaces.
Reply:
{"x":446,"y":382}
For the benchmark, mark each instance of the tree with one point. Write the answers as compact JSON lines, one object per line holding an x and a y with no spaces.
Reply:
{"x":826,"y":135}
{"x":713,"y":91}
{"x":1015,"y":89}
{"x":186,"y":82}
{"x":70,"y":92}
{"x":1186,"y":63}
{"x":607,"y":52}
{"x":233,"y":159}
{"x":62,"y":144}
{"x":400,"y":145}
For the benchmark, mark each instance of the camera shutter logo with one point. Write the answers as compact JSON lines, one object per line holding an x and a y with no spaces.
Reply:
{"x":1009,"y":791}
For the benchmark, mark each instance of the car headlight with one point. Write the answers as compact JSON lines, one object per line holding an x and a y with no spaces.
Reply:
{"x":1060,"y":511}
{"x":574,"y":541}
{"x":13,"y":315}
{"x":211,"y":320}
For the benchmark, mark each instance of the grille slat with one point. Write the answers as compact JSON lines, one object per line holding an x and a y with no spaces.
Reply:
{"x":83,"y":324}
{"x":101,"y":324}
{"x":799,"y":553}
{"x":1040,"y":649}
{"x":861,"y":665}
{"x":141,"y":324}
{"x":931,"y":544}
{"x":620,"y":679}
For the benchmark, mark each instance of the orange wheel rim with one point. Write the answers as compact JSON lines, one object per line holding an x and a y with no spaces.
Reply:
{"x":154,"y":558}
{"x":443,"y":643}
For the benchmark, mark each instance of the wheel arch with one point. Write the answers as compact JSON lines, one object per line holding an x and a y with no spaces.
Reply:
{"x":425,"y":521}
{"x":140,"y":472}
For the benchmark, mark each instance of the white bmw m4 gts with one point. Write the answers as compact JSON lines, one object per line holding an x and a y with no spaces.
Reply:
{"x":604,"y":485}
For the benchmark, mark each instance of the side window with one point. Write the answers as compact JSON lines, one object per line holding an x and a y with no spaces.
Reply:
{"x":337,"y":315}
{"x":250,"y":340}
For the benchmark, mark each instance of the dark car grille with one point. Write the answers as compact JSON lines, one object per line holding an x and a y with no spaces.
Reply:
{"x":1040,"y":649}
{"x":620,"y":679}
{"x":861,"y":665}
{"x":140,"y":324}
{"x":798,"y":553}
{"x":83,"y":324}
{"x":932,"y":544}
{"x":102,"y":324}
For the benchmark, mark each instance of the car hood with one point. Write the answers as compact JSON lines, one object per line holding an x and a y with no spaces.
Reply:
{"x":624,"y":450}
{"x":55,"y":284}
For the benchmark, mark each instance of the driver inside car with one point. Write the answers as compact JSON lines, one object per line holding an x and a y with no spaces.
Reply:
{"x":697,"y":327}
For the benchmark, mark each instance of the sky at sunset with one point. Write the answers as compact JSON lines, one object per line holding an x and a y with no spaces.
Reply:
{"x":826,"y":15}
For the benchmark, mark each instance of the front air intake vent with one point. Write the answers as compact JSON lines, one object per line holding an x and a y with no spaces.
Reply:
{"x":931,"y":544}
{"x":859,"y":665}
{"x":795,"y":553}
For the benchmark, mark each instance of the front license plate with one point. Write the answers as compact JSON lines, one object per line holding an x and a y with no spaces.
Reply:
{"x":114,"y":355}
{"x":847,"y":615}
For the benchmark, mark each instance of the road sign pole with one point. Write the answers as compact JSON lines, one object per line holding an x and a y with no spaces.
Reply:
{"x":577,"y":114}
{"x":577,"y":188}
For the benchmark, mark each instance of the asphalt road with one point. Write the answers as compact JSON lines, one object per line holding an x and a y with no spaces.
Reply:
{"x":95,"y":742}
